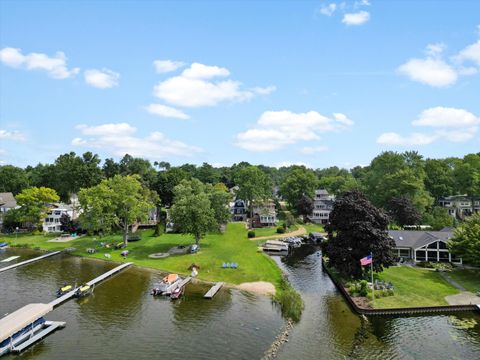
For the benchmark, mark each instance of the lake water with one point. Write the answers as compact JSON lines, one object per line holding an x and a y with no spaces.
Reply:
{"x":122,"y":321}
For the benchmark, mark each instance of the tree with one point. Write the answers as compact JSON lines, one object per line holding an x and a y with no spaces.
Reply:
{"x":12,"y":179}
{"x":192,"y":212}
{"x":298,"y":182}
{"x":120,"y":201}
{"x":67,"y":224}
{"x":439,"y":178}
{"x":208,"y":174}
{"x":219,"y":200}
{"x":403,"y":212}
{"x":467,"y":177}
{"x":131,"y":166}
{"x":110,"y":168}
{"x":356,"y":229}
{"x":166,"y":182}
{"x":466,"y":240}
{"x":438,"y":218}
{"x":253,"y":185}
{"x":33,"y":203}
{"x":42,"y":175}
{"x":304,"y":206}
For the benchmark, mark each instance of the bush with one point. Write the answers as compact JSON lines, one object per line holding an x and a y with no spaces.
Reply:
{"x":37,"y":232}
{"x":280,"y":230}
{"x":363,"y":291}
{"x":251,"y":234}
{"x":159,"y":229}
{"x":289,"y":300}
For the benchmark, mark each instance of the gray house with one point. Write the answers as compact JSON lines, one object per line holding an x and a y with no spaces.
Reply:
{"x":423,"y":245}
{"x":460,"y":206}
{"x":7,"y":202}
{"x":322,"y":207}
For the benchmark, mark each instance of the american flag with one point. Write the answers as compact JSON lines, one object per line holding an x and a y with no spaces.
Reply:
{"x":367,"y":260}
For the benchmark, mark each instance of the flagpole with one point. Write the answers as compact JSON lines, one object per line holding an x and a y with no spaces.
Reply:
{"x":373,"y":286}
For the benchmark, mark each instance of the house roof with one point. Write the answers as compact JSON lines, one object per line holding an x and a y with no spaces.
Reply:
{"x":7,"y":200}
{"x":17,"y":320}
{"x":416,"y":239}
{"x":321,"y":192}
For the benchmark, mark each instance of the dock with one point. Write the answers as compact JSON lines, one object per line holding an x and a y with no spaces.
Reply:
{"x":213,"y":290}
{"x":29,"y":261}
{"x":10,"y":258}
{"x":51,"y":326}
{"x":92,"y":282}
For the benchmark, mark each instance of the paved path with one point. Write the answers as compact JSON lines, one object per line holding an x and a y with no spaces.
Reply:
{"x":299,"y":232}
{"x":451,"y":281}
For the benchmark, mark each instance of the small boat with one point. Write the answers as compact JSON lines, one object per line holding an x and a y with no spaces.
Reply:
{"x":84,"y":291}
{"x":176,"y":293}
{"x":63,"y":290}
{"x":3,"y":246}
{"x":167,"y":284}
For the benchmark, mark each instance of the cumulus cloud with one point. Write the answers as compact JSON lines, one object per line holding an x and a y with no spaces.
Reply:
{"x":12,"y":135}
{"x":55,"y":66}
{"x":436,"y":71}
{"x":120,"y":138}
{"x":355,"y":19}
{"x":327,"y":9}
{"x":199,"y":86}
{"x":166,"y":111}
{"x":102,"y":79}
{"x":277,"y":129}
{"x":164,"y":66}
{"x":449,"y":124}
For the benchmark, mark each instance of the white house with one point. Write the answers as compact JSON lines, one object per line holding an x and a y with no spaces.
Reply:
{"x":459,"y":206}
{"x":322,"y":207}
{"x":264,"y":214}
{"x":51,"y":223}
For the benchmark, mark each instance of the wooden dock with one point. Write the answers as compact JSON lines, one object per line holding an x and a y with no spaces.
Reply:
{"x":213,"y":290}
{"x":102,"y":277}
{"x":28,"y":261}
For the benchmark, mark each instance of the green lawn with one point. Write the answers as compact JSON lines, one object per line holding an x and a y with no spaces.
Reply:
{"x":272,"y":231}
{"x":469,"y":279}
{"x":414,"y":287}
{"x":313,"y":228}
{"x":232,"y":246}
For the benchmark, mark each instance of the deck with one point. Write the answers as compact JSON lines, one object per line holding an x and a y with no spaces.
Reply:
{"x":213,"y":290}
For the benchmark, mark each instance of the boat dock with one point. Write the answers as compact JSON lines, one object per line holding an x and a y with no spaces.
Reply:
{"x":51,"y":326}
{"x":28,"y":261}
{"x":102,"y":277}
{"x":185,"y":281}
{"x":213,"y":290}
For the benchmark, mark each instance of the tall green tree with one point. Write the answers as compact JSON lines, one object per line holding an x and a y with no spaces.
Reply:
{"x":130,"y":165}
{"x":403,"y":212}
{"x":192,"y":211}
{"x":122,"y":201}
{"x":466,"y":240}
{"x":356,"y":229}
{"x":13,"y":179}
{"x":438,"y":218}
{"x":439,"y":178}
{"x":33,"y":203}
{"x":298,"y":182}
{"x":219,"y":200}
{"x":165,"y":184}
{"x":253,"y":185}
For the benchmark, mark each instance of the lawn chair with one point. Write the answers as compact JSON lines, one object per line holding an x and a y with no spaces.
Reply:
{"x":224,"y":265}
{"x":228,"y":265}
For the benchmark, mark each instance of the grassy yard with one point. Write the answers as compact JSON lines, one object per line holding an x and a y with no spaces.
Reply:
{"x":469,"y":279}
{"x":272,"y":230}
{"x":414,"y":287}
{"x":314,"y":228}
{"x":232,"y":246}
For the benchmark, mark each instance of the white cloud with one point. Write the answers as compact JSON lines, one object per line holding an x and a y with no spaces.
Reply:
{"x":12,"y":135}
{"x":470,"y":53}
{"x":433,"y":72}
{"x":277,"y":129}
{"x":264,"y":90}
{"x":450,"y":124}
{"x":196,"y":87}
{"x":164,"y":66}
{"x":309,"y":150}
{"x":357,"y":18}
{"x":328,"y":9}
{"x":166,"y":111}
{"x":55,"y":66}
{"x":120,"y":139}
{"x":102,"y":79}
{"x":443,"y":117}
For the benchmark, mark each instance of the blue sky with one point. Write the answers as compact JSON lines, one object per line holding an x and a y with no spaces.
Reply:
{"x":316,"y":82}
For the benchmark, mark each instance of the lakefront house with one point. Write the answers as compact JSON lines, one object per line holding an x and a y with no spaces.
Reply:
{"x":264,"y":214}
{"x":460,"y":206}
{"x":322,"y":207}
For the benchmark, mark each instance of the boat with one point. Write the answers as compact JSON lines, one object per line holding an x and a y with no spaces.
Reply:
{"x":176,"y":293}
{"x":83,"y":290}
{"x":167,"y":284}
{"x":63,"y":290}
{"x":275,"y":246}
{"x":3,"y":246}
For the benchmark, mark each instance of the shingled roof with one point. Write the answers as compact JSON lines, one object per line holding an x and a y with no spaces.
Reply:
{"x":415,"y":239}
{"x":7,"y":200}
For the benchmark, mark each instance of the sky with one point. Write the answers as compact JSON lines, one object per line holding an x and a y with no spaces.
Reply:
{"x":319,"y":83}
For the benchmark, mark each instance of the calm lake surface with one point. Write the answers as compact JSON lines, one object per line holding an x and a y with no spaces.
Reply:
{"x":122,"y":321}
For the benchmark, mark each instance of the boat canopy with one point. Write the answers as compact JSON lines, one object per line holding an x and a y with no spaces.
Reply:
{"x":170,"y":278}
{"x":16,"y":321}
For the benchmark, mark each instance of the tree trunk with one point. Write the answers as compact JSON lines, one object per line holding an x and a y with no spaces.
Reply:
{"x":125,"y":233}
{"x":197,"y":239}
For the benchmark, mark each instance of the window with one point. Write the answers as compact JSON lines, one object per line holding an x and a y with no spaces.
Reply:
{"x":57,"y":212}
{"x":404,"y":252}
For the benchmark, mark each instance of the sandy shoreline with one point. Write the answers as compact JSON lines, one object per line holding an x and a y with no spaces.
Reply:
{"x":258,"y":287}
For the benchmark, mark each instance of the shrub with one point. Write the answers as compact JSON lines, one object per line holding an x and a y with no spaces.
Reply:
{"x":378,"y":295}
{"x":37,"y":232}
{"x":251,"y":234}
{"x":369,"y":296}
{"x":280,"y":230}
{"x":159,"y":229}
{"x":390,"y":292}
{"x":363,"y":291}
{"x":289,"y":300}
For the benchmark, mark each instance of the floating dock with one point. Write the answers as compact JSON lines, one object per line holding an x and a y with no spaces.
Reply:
{"x":28,"y":261}
{"x":213,"y":290}
{"x":10,"y":258}
{"x":51,"y":326}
